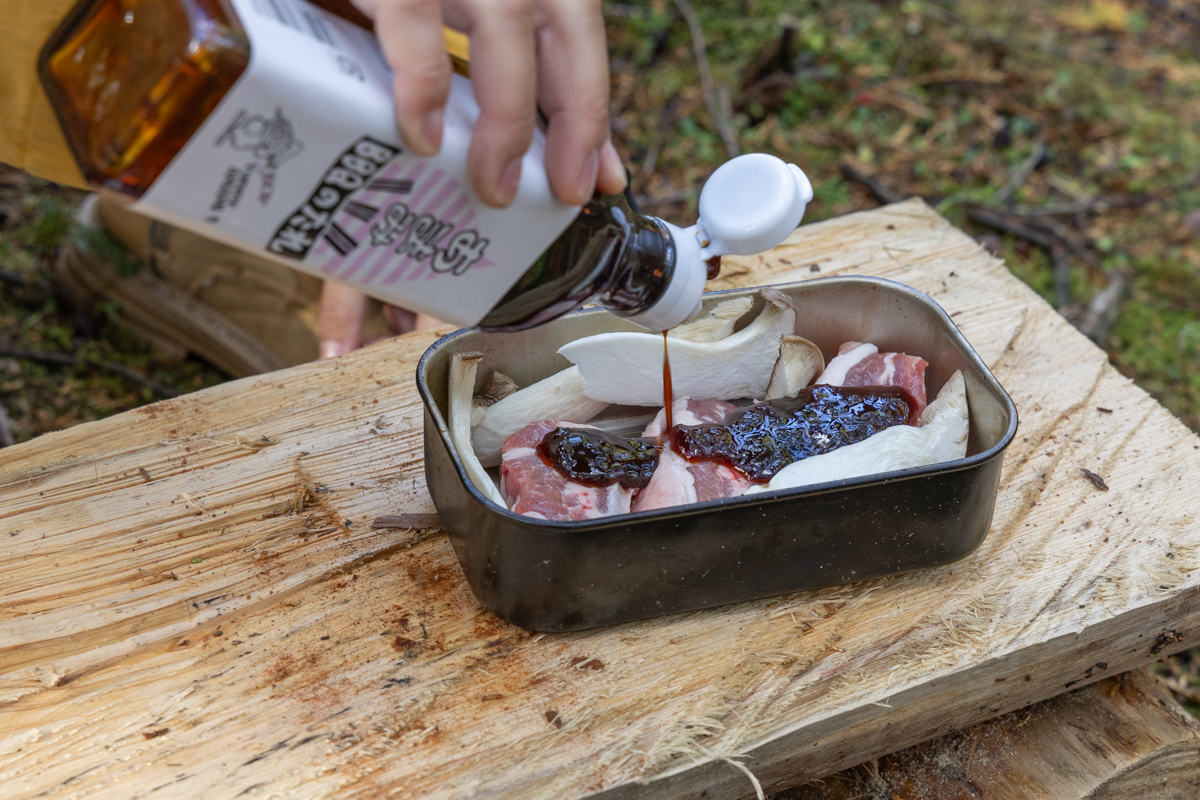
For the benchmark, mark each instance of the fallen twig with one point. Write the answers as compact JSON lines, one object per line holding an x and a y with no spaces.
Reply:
{"x":1021,"y":175}
{"x":1102,"y":311}
{"x":665,"y":120}
{"x":1096,"y":205}
{"x":67,"y":360}
{"x":1062,"y":277}
{"x":1078,"y":245}
{"x":6,"y":437}
{"x":1184,"y":13}
{"x":673,"y":197}
{"x":712,"y":98}
{"x":1016,"y":226}
{"x":879,"y":191}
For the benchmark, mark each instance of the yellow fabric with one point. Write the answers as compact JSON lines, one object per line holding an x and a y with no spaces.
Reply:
{"x":458,"y":47}
{"x":30,"y":137}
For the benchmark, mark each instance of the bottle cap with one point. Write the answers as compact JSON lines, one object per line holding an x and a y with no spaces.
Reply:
{"x":680,"y":300}
{"x":750,"y":204}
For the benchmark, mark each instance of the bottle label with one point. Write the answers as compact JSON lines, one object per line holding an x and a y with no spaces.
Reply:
{"x":302,"y":160}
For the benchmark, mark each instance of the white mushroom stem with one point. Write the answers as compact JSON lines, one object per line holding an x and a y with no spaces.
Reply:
{"x":627,"y":367}
{"x":799,"y":362}
{"x":498,"y":388}
{"x":942,"y":437}
{"x":462,"y":385}
{"x":716,"y":324}
{"x":558,"y":397}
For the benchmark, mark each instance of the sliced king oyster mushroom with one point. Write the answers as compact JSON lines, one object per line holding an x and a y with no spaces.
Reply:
{"x":627,"y":367}
{"x":799,"y":362}
{"x":499,"y":387}
{"x":561,"y":395}
{"x":942,"y":437}
{"x":462,"y":384}
{"x":716,"y":324}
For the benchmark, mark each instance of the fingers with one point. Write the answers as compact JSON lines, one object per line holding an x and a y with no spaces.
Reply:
{"x":573,"y":87}
{"x":410,"y":33}
{"x":612,"y":178}
{"x":504,"y":76}
{"x":341,"y":319}
{"x":523,"y":52}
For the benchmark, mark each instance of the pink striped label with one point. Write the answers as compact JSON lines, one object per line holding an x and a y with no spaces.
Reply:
{"x":409,"y":220}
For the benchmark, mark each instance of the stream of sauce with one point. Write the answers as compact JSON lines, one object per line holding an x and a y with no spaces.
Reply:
{"x":668,"y":395}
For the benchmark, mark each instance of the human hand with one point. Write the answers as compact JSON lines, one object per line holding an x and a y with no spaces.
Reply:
{"x":343,"y":310}
{"x":525,"y":54}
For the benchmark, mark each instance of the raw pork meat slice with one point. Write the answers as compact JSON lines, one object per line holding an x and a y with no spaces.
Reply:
{"x":677,"y":481}
{"x":859,"y":364}
{"x":532,"y":487}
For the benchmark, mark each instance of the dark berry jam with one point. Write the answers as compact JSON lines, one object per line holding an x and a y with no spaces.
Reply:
{"x":762,"y":439}
{"x":595,"y":458}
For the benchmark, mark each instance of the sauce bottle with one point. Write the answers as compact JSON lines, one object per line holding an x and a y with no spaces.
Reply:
{"x":268,"y":125}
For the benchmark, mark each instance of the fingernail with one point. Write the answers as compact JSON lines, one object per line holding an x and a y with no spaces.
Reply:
{"x":510,"y":179}
{"x":431,"y":132}
{"x":614,"y":170}
{"x":587,"y":177}
{"x":331,"y":348}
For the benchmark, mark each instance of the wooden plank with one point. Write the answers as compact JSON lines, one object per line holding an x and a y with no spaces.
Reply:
{"x":230,"y":622}
{"x":1123,"y":737}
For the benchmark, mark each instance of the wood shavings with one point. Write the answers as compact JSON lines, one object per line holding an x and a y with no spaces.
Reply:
{"x":414,"y":522}
{"x":192,"y":502}
{"x":1096,"y":480}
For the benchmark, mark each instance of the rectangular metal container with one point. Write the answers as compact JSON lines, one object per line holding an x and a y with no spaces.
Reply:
{"x":563,"y":576}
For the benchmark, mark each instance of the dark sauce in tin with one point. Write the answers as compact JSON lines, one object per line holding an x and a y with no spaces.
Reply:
{"x":595,"y":458}
{"x":762,"y":439}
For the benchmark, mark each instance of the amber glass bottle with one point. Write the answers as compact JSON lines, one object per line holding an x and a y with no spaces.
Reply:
{"x":133,"y":80}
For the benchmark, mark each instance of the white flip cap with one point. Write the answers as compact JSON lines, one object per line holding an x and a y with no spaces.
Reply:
{"x":750,"y":204}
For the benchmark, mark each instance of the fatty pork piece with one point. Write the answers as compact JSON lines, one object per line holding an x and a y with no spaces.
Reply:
{"x":677,"y":481}
{"x":532,"y":487}
{"x":861,"y":364}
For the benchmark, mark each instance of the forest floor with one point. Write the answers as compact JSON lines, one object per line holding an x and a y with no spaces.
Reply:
{"x":1063,"y":135}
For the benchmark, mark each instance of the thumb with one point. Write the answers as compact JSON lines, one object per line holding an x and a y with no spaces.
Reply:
{"x":341,"y":319}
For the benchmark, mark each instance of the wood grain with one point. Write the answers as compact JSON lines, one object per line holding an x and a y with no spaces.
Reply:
{"x":1122,"y":737}
{"x":235,"y":625}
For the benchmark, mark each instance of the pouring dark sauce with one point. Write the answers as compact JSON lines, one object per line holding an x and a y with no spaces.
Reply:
{"x":668,"y":395}
{"x":762,"y":439}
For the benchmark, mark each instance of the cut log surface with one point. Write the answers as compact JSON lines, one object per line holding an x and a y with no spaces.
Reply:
{"x":1124,"y":737}
{"x":195,"y":597}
